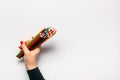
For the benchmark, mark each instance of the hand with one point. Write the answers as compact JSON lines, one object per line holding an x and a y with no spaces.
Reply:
{"x":30,"y":57}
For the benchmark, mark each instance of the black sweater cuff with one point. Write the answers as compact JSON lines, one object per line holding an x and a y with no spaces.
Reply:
{"x":35,"y":74}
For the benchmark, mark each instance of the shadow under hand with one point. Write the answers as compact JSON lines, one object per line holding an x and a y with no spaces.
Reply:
{"x":46,"y":49}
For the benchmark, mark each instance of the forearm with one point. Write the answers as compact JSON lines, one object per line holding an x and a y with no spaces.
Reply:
{"x":35,"y":74}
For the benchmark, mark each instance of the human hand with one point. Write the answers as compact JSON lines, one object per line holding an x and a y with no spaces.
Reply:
{"x":30,"y":56}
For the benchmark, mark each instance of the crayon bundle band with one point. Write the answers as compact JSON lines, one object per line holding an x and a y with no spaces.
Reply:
{"x":41,"y":37}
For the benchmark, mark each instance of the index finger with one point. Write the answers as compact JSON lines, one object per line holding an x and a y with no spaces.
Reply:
{"x":25,"y":49}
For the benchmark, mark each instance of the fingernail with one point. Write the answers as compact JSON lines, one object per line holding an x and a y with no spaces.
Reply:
{"x":20,"y":47}
{"x":21,"y":42}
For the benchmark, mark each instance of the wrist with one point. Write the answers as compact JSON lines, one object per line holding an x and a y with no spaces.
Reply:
{"x":31,"y":66}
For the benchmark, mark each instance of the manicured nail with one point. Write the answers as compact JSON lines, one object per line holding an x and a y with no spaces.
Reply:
{"x":20,"y":47}
{"x":21,"y":42}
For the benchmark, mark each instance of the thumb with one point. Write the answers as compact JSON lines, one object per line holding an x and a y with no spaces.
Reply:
{"x":24,"y":48}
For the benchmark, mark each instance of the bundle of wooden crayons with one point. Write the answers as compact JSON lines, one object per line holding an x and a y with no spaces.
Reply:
{"x":41,"y":37}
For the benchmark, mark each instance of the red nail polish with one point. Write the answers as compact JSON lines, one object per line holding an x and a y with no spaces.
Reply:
{"x":20,"y":47}
{"x":21,"y":42}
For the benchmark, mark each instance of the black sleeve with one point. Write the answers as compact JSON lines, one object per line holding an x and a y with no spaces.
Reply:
{"x":35,"y":74}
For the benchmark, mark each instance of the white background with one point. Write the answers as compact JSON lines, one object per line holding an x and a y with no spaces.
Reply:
{"x":86,"y":46}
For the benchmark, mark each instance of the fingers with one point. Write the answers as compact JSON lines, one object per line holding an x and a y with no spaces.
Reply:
{"x":20,"y":47}
{"x":24,"y":48}
{"x":21,"y":42}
